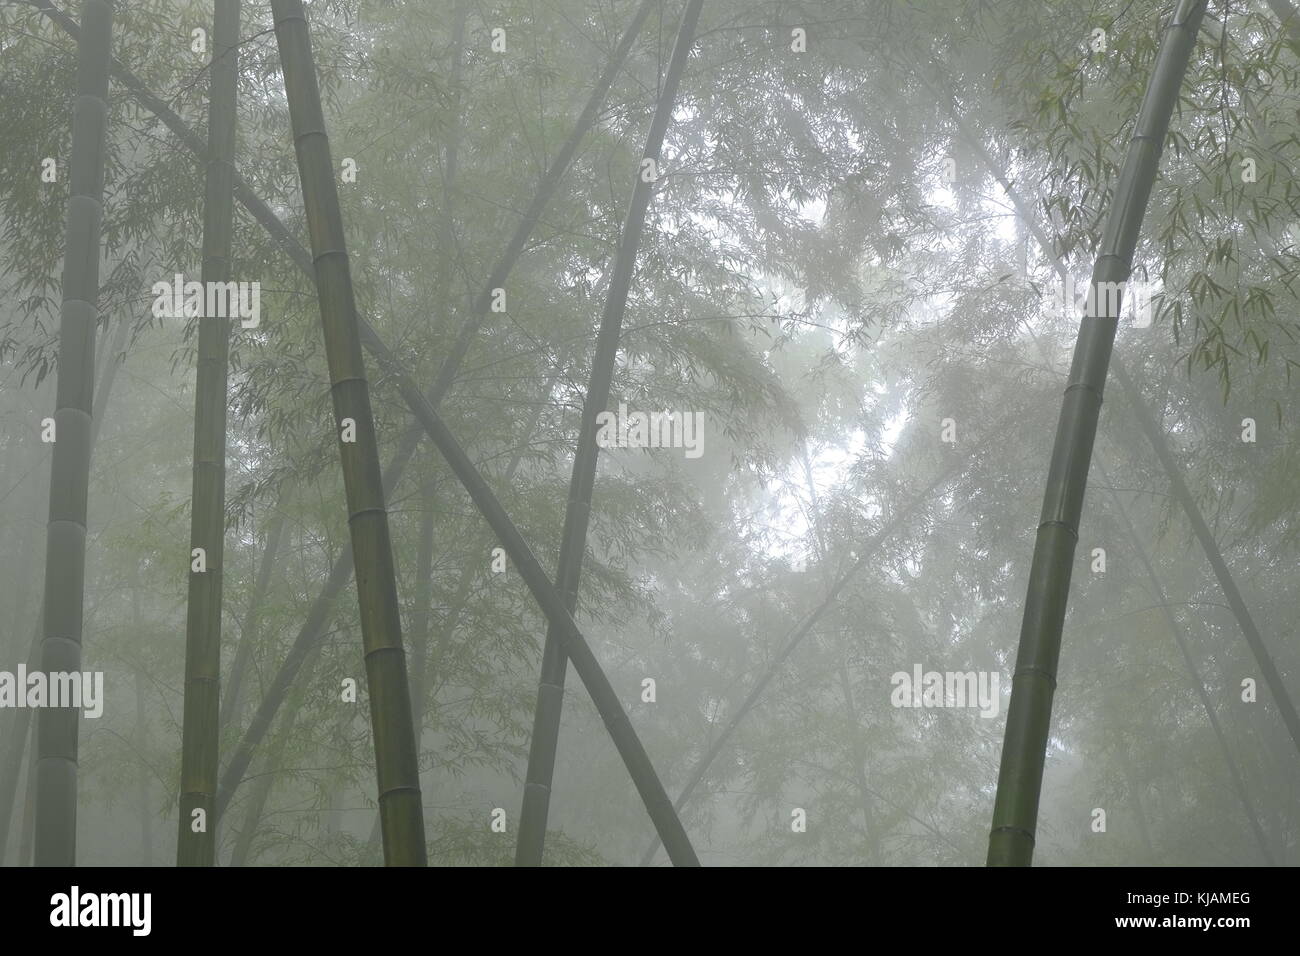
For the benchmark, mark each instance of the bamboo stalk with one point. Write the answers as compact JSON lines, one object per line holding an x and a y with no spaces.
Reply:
{"x":65,"y":560}
{"x":400,"y":805}
{"x":341,"y":571}
{"x":197,"y":824}
{"x":232,"y":696}
{"x":1155,"y":436}
{"x":531,"y":839}
{"x":1015,"y":813}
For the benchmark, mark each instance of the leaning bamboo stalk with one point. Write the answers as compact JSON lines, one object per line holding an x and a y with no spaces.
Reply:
{"x":400,"y":804}
{"x":196,"y":826}
{"x":232,"y":694}
{"x":425,"y":656}
{"x":1202,"y":695}
{"x":341,"y":571}
{"x":65,"y":559}
{"x":608,"y":705}
{"x":531,"y":838}
{"x":271,"y":770}
{"x":1227,"y":583}
{"x":1015,"y":813}
{"x":1146,"y":422}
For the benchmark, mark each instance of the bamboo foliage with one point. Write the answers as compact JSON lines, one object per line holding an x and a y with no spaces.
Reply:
{"x":1173,"y":471}
{"x":1015,"y":813}
{"x":796,"y":637}
{"x":400,"y":805}
{"x":550,"y":688}
{"x":196,"y":827}
{"x":65,"y":559}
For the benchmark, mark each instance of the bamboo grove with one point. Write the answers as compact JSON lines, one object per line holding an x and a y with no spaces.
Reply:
{"x":711,"y":348}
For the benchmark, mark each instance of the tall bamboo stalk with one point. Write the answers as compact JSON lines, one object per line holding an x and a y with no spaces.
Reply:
{"x":396,"y":767}
{"x":197,"y":826}
{"x":19,"y":732}
{"x":1147,"y":423}
{"x":1015,"y":813}
{"x":425,"y":656}
{"x":310,"y":634}
{"x":550,"y":689}
{"x":65,"y":558}
{"x":341,"y":571}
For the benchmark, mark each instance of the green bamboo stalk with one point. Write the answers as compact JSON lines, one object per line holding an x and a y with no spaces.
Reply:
{"x":420,"y":613}
{"x":400,"y":805}
{"x":271,"y":768}
{"x":608,"y":705}
{"x":140,"y":735}
{"x":1015,"y":813}
{"x":340,"y":572}
{"x":531,"y":839}
{"x":422,"y":656}
{"x":1156,"y":437}
{"x":65,"y":559}
{"x":310,"y":634}
{"x":19,"y":733}
{"x":625,"y":739}
{"x":1147,"y":423}
{"x":197,"y":825}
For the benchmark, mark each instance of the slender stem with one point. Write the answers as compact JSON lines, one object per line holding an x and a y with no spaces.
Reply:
{"x":197,"y":824}
{"x":550,"y":690}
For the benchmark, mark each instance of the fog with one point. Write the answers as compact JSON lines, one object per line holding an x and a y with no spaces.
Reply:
{"x":692,"y":383}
